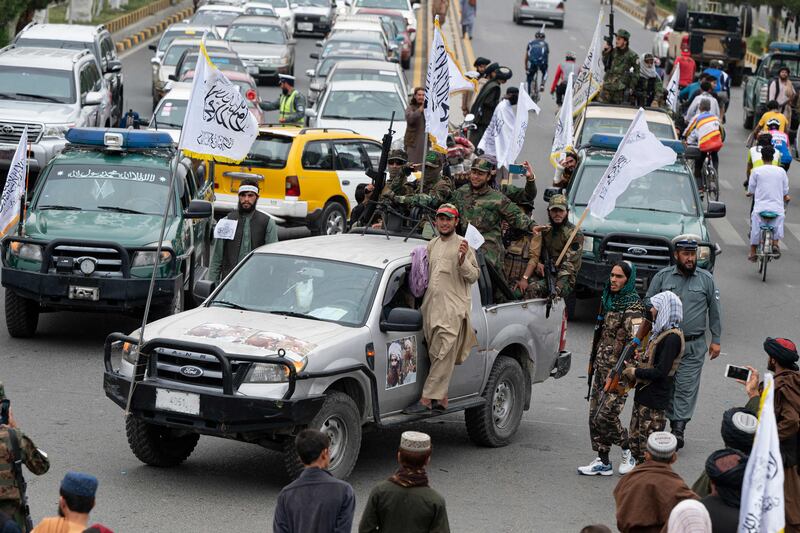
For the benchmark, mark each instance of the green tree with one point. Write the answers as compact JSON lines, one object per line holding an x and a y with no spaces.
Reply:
{"x":14,"y":14}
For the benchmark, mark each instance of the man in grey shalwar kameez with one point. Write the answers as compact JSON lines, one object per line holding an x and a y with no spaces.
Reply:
{"x":468,"y":9}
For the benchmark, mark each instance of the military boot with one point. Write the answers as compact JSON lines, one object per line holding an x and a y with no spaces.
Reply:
{"x":677,"y":427}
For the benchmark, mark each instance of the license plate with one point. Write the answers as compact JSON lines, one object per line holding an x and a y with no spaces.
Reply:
{"x":252,"y":70}
{"x":178,"y":402}
{"x":305,"y":26}
{"x":91,"y":294}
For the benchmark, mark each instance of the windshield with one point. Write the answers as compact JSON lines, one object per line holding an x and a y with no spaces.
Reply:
{"x":171,"y":35}
{"x":223,"y":62}
{"x":713,"y":21}
{"x":241,"y":33}
{"x":273,"y":3}
{"x":363,"y":105}
{"x":319,"y":289}
{"x":618,"y":126}
{"x":214,"y":18}
{"x":270,"y":152}
{"x":265,"y":11}
{"x":169,"y":114}
{"x":175,"y":52}
{"x":352,"y":47}
{"x":37,"y":85}
{"x":342,"y":74}
{"x":313,"y":3}
{"x":384,"y":4}
{"x":777,"y":62}
{"x":662,"y":190}
{"x":131,"y":189}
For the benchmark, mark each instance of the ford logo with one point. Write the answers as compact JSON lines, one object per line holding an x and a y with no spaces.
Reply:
{"x":191,"y":371}
{"x":8,"y":130}
{"x":637,"y":250}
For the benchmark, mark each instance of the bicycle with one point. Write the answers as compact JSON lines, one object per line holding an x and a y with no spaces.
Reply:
{"x":765,"y":251}
{"x":709,"y":180}
{"x":534,"y":85}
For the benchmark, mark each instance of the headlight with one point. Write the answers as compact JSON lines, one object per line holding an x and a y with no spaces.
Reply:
{"x":57,"y":130}
{"x":142,"y":259}
{"x":273,"y":373}
{"x":588,"y":244}
{"x":130,"y":352}
{"x":27,"y":251}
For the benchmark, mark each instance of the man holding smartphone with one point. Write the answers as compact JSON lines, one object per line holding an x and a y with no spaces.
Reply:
{"x":16,"y":446}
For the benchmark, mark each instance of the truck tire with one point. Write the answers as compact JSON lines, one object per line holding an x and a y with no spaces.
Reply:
{"x":746,"y":18}
{"x":332,"y":221}
{"x":22,"y":315}
{"x":340,"y":419}
{"x":495,"y":423}
{"x":681,"y":17}
{"x":158,"y":445}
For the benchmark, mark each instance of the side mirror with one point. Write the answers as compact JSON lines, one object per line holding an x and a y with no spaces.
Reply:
{"x":114,"y":65}
{"x":316,"y":87}
{"x":394,"y":59}
{"x":313,"y":56}
{"x":173,"y":77}
{"x":469,"y":117}
{"x":155,"y":61}
{"x":412,"y":30}
{"x":318,"y":44}
{"x":416,"y":6}
{"x":291,"y":42}
{"x":203,"y":288}
{"x":198,"y":209}
{"x":152,"y":47}
{"x":310,"y":73}
{"x":402,"y":319}
{"x":311,"y":113}
{"x":715,"y":210}
{"x":93,"y":98}
{"x":550,"y":192}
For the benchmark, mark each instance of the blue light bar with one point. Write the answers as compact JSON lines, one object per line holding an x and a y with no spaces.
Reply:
{"x":611,"y":142}
{"x":131,"y":139}
{"x":784,"y":47}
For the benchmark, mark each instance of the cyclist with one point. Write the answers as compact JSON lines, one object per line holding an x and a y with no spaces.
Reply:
{"x":705,"y":132}
{"x":754,"y":159}
{"x":772,"y":113}
{"x":780,"y":141}
{"x":559,"y":86}
{"x":723,"y":83}
{"x":769,"y":187}
{"x":536,"y":58}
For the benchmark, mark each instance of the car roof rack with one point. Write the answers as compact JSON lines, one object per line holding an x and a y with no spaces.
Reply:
{"x":326,"y":130}
{"x":602,"y":141}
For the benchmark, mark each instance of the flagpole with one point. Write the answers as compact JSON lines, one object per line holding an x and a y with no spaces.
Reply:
{"x":23,"y":208}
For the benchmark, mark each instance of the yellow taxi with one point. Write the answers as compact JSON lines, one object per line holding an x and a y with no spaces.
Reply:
{"x":307,"y":176}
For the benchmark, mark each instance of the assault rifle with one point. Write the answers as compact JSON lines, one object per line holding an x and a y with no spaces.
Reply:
{"x":379,"y":175}
{"x":610,"y":56}
{"x":16,"y":467}
{"x":598,"y":329}
{"x":550,"y":276}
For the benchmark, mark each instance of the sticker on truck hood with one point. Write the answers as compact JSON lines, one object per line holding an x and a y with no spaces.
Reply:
{"x":266,"y":340}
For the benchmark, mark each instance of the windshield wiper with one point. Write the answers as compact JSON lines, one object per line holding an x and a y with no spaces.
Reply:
{"x":59,"y":207}
{"x":39,"y":97}
{"x":294,"y":314}
{"x":225,"y":303}
{"x":121,"y":209}
{"x":337,"y":117}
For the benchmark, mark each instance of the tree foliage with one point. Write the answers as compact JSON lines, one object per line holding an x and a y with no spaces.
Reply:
{"x":10,"y":11}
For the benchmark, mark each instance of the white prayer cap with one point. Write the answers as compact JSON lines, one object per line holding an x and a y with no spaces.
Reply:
{"x":745,"y":422}
{"x":414,"y":441}
{"x":662,"y":444}
{"x":248,"y":188}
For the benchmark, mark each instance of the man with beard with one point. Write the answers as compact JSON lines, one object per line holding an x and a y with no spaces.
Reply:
{"x":76,"y":501}
{"x":291,"y":104}
{"x":701,"y":308}
{"x":725,"y":468}
{"x":394,"y":375}
{"x":446,"y":306}
{"x":567,"y":169}
{"x":783,"y":364}
{"x":252,"y":229}
{"x":487,"y":100}
{"x":554,"y":239}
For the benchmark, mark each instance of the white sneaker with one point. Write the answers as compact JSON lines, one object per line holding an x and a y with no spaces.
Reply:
{"x":627,"y":464}
{"x":596,"y":468}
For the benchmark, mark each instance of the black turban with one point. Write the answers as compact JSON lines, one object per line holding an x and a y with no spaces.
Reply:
{"x":725,"y":468}
{"x":734,"y":436}
{"x":782,"y":350}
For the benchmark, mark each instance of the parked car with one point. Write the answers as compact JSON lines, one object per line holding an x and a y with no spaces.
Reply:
{"x":164,"y":67}
{"x":403,"y":7}
{"x":282,"y":8}
{"x":539,"y":10}
{"x":181,"y":30}
{"x":93,"y":228}
{"x":219,"y":16}
{"x":364,"y":106}
{"x":96,"y":39}
{"x":263,"y":44}
{"x":612,"y":119}
{"x":247,"y":86}
{"x":365,"y":70}
{"x":313,"y":16}
{"x":403,"y":29}
{"x":319,"y":73}
{"x":259,"y":361}
{"x":48,"y":91}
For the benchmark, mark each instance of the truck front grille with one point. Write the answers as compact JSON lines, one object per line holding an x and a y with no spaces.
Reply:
{"x":10,"y":132}
{"x":647,"y":251}
{"x":194,"y":368}
{"x":108,"y":262}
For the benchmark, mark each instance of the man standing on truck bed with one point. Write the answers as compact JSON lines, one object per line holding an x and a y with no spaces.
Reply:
{"x":623,"y":72}
{"x":700,"y":298}
{"x":446,"y":306}
{"x":240,"y":232}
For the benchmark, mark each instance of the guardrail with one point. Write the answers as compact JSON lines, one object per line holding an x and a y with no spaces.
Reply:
{"x":135,"y":16}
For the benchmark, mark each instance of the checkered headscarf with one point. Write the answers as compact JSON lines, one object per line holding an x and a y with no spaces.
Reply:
{"x":670,"y":312}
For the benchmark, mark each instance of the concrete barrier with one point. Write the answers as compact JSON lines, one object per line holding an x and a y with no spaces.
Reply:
{"x":141,"y":36}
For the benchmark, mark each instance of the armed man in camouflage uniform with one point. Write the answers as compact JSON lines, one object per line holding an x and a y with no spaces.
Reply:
{"x":522,"y":249}
{"x":623,"y":72}
{"x":620,"y":316}
{"x":554,"y":238}
{"x":12,"y":439}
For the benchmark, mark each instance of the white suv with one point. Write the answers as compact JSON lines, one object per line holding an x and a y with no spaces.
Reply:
{"x":48,"y":90}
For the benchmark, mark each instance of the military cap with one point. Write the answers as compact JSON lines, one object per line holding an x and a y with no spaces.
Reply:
{"x":662,"y":445}
{"x":398,"y":153}
{"x":625,"y":34}
{"x":79,"y":484}
{"x":504,"y":73}
{"x":448,"y":210}
{"x":686,"y":241}
{"x":432,"y":159}
{"x":415,"y":441}
{"x":481,"y":61}
{"x":558,"y":201}
{"x":482,"y":164}
{"x":286,"y":77}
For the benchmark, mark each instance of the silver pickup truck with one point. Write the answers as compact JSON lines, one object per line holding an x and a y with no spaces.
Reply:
{"x":321,"y":332}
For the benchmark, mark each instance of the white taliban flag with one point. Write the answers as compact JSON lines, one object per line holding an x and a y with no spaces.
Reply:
{"x":673,"y":89}
{"x":458,"y":82}
{"x":498,"y":135}
{"x":14,"y":189}
{"x":762,"y":504}
{"x":591,"y":75}
{"x":218,"y":124}
{"x":437,"y":92}
{"x":639,"y":153}
{"x":562,"y":139}
{"x":525,"y":105}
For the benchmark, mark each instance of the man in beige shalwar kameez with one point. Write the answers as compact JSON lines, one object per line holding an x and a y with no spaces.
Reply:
{"x":452,"y":269}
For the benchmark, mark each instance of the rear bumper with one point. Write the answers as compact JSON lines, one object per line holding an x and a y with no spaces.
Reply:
{"x":530,"y":12}
{"x":317,"y":27}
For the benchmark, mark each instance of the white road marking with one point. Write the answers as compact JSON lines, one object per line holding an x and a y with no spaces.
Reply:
{"x":727,"y":232}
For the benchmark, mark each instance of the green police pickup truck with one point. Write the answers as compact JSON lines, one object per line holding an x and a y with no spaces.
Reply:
{"x":92,"y":227}
{"x":779,"y":55}
{"x":653,"y":210}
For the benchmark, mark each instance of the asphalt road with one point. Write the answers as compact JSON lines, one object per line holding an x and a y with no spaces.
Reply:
{"x":55,"y":379}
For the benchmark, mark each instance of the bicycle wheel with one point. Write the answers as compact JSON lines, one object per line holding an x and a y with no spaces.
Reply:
{"x":535,"y":87}
{"x":712,"y":185}
{"x":766,"y":253}
{"x":763,"y":269}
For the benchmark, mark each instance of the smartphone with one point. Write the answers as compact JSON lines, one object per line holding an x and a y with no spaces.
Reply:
{"x":737,"y":372}
{"x":516,"y":169}
{"x":4,"y":406}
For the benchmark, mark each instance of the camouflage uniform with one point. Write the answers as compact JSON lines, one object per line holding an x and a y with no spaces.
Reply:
{"x":618,"y":329}
{"x":519,"y":254}
{"x":554,"y":240}
{"x":619,"y":77}
{"x":35,"y":460}
{"x":644,"y":421}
